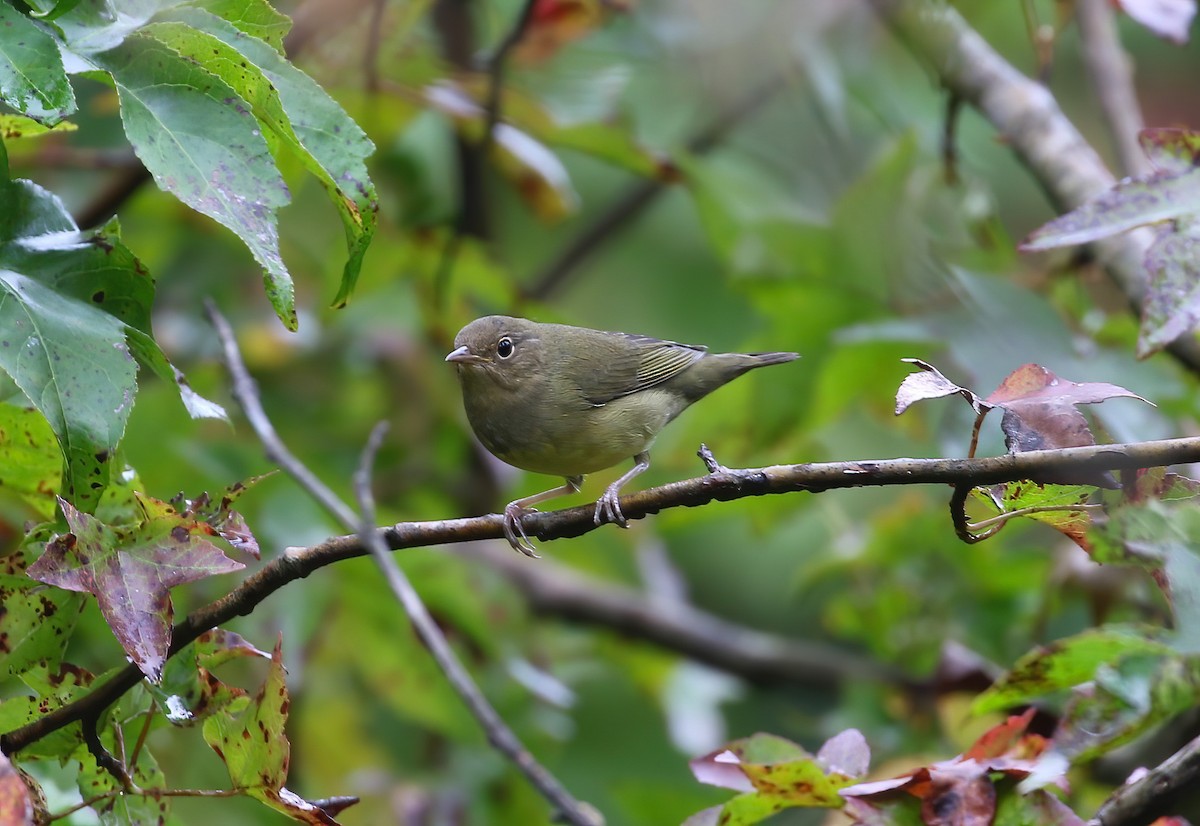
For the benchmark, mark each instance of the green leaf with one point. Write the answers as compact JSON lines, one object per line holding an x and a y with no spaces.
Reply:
{"x":224,"y":170}
{"x":35,"y":625}
{"x":72,"y":362}
{"x":294,"y":112}
{"x":1063,"y":665}
{"x":256,"y":18}
{"x":30,"y":460}
{"x":32,"y":78}
{"x":19,"y":126}
{"x":95,"y":781}
{"x":75,"y":312}
{"x":53,"y":687}
{"x":249,"y":736}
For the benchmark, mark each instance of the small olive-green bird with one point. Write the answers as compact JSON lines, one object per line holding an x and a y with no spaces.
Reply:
{"x":569,"y":401}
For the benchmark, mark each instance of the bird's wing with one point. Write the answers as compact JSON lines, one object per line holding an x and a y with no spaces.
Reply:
{"x":637,"y":363}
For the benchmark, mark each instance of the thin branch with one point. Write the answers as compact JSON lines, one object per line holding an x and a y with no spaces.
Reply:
{"x":496,"y":67}
{"x":724,"y":485}
{"x":498,"y":734}
{"x":1154,"y":792}
{"x":555,"y":590}
{"x":1031,"y":122}
{"x":245,"y":392}
{"x":502,"y":738}
{"x":639,"y":195}
{"x":1111,"y":73}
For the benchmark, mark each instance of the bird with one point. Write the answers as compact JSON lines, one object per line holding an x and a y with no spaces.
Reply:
{"x":568,"y":401}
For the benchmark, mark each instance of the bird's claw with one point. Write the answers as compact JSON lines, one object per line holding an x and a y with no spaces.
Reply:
{"x":608,"y":509}
{"x":514,"y":531}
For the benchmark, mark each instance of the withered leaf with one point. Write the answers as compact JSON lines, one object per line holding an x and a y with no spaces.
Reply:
{"x":131,"y":569}
{"x":931,"y":384}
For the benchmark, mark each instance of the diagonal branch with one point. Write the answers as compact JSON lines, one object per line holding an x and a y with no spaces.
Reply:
{"x":498,"y":733}
{"x":723,"y":485}
{"x":1154,"y":793}
{"x":502,"y":738}
{"x":1031,"y":122}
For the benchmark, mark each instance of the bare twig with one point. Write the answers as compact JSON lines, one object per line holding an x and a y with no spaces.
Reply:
{"x":502,"y":738}
{"x":1032,"y":123}
{"x":641,"y":194}
{"x":496,"y":66}
{"x":725,"y":485}
{"x":1154,"y":792}
{"x":498,"y":734}
{"x":105,"y":758}
{"x":1111,"y":73}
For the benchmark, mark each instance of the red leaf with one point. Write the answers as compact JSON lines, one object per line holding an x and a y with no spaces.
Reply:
{"x":130,"y":570}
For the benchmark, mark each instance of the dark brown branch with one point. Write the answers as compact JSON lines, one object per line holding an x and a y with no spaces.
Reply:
{"x":496,"y":67}
{"x":641,"y":194}
{"x":555,"y":590}
{"x":725,"y":485}
{"x":499,"y":735}
{"x":1111,"y":73}
{"x":1154,"y":793}
{"x":1031,"y":122}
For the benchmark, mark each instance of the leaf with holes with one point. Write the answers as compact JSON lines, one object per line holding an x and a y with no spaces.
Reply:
{"x":130,"y":570}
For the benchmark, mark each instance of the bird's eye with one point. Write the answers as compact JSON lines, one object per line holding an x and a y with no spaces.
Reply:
{"x":504,"y":347}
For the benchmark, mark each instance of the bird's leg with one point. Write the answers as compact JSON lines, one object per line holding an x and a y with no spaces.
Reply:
{"x":514,"y":532}
{"x":608,"y":506}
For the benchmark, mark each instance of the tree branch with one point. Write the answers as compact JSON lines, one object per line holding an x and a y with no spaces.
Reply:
{"x":501,"y":737}
{"x":724,"y":485}
{"x":555,"y":590}
{"x":1031,"y":122}
{"x":1112,"y":81}
{"x":1154,"y":792}
{"x":497,"y":731}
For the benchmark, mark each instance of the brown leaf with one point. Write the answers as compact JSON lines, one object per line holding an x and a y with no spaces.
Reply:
{"x":1040,"y":413}
{"x":130,"y":570}
{"x":959,"y":795}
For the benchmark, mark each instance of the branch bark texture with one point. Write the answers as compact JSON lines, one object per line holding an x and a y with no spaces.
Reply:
{"x":725,"y":484}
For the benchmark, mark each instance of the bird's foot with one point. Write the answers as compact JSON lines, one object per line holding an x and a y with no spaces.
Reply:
{"x":514,"y":531}
{"x":608,"y":508}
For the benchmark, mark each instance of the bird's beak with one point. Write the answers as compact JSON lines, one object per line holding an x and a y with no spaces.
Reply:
{"x":463,"y":355}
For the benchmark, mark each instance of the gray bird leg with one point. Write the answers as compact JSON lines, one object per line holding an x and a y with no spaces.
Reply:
{"x":514,"y":532}
{"x":608,"y":506}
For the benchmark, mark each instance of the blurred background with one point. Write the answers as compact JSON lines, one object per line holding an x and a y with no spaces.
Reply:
{"x":762,"y":176}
